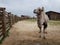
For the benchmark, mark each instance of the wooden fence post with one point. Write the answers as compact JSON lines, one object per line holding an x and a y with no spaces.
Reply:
{"x":10,"y":20}
{"x":3,"y":21}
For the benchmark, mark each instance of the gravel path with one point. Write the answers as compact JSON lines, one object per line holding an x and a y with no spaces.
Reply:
{"x":26,"y":33}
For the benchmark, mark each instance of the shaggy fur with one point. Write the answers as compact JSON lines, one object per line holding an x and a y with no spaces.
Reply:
{"x":42,"y":18}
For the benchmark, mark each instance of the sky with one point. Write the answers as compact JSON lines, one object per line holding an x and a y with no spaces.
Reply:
{"x":26,"y":7}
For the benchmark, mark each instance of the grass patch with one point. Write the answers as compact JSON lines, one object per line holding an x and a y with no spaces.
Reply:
{"x":51,"y":22}
{"x":6,"y":35}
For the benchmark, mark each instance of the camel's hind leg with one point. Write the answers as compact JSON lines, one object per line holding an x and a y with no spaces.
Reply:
{"x":45,"y":26}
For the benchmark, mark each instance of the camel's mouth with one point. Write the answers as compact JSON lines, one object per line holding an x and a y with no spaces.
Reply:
{"x":37,"y":11}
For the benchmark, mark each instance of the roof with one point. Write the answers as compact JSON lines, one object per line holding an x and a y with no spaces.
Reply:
{"x":52,"y":12}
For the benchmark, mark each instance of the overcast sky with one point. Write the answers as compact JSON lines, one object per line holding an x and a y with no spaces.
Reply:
{"x":27,"y":6}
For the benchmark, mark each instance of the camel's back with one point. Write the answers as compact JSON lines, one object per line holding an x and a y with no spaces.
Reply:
{"x":46,"y":18}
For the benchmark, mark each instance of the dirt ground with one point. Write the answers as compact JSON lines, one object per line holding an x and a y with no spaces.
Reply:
{"x":26,"y":33}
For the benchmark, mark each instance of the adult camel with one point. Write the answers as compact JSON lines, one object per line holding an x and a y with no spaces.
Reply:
{"x":42,"y":19}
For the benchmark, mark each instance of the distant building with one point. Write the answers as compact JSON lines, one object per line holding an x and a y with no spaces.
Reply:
{"x":53,"y":15}
{"x":25,"y":17}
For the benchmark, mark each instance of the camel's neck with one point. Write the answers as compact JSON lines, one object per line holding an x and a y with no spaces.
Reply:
{"x":41,"y":15}
{"x":41,"y":18}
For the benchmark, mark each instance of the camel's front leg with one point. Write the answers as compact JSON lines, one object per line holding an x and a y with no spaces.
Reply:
{"x":39,"y":28}
{"x":42,"y":33}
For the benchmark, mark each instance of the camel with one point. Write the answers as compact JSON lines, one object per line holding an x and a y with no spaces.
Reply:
{"x":42,"y":19}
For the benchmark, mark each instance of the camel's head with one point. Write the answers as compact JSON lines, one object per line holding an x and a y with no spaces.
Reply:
{"x":38,"y":10}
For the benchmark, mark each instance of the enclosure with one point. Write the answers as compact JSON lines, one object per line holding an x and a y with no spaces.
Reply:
{"x":26,"y":33}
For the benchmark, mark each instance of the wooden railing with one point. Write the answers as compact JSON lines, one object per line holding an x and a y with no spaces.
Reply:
{"x":6,"y":21}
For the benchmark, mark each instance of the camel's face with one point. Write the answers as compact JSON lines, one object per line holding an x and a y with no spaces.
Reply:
{"x":38,"y":11}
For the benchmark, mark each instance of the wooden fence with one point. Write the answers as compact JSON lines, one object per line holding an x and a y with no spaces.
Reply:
{"x":6,"y":21}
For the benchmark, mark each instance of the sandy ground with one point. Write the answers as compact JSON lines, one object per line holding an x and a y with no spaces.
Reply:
{"x":26,"y":33}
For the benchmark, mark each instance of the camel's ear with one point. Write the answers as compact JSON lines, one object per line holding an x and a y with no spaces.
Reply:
{"x":42,"y":8}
